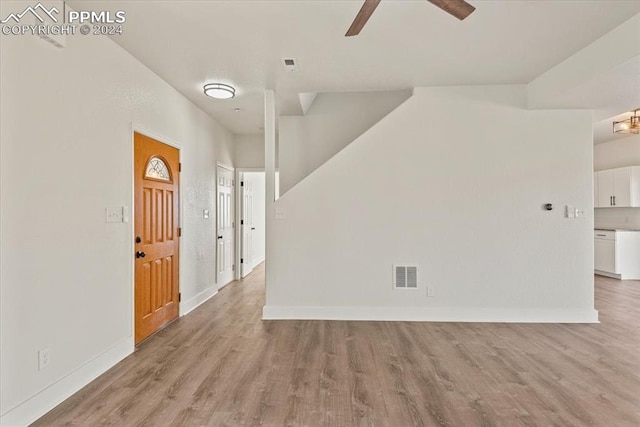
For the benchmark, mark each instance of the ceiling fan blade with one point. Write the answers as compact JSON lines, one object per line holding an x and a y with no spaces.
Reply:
{"x":363,"y":16}
{"x":458,"y":8}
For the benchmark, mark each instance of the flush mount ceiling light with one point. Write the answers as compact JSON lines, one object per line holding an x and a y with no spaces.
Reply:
{"x":219,"y":91}
{"x":630,"y":125}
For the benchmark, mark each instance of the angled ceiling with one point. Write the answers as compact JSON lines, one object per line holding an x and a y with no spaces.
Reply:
{"x":405,"y":44}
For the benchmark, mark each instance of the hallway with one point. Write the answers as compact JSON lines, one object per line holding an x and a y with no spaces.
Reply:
{"x":222,"y":366}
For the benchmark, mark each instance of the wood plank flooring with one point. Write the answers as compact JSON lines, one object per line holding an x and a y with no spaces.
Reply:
{"x":223,"y":366}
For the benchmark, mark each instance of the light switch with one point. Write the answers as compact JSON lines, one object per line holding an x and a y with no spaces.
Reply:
{"x":114,"y":214}
{"x":205,"y":214}
{"x":280,"y":214}
{"x":570,"y":212}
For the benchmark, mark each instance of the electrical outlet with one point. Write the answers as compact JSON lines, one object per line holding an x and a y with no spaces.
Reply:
{"x":43,"y":358}
{"x":430,"y":291}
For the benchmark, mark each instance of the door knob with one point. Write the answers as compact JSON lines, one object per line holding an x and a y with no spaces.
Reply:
{"x":138,"y":239}
{"x":219,"y":237}
{"x":140,"y":254}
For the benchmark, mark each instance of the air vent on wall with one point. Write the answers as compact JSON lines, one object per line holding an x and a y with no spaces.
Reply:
{"x":405,"y":277}
{"x":290,"y":64}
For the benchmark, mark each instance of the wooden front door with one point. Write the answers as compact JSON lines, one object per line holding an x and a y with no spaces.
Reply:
{"x":157,"y":180}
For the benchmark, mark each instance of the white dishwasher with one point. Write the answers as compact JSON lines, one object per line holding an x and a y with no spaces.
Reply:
{"x":605,"y":251}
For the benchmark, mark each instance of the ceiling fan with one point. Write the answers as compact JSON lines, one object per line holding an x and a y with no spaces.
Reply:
{"x":458,"y":8}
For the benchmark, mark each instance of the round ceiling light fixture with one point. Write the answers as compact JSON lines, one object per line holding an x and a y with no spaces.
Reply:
{"x":219,"y":91}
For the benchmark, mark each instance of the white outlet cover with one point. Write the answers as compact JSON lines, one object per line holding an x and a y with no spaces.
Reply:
{"x":43,"y":358}
{"x":125,"y":214}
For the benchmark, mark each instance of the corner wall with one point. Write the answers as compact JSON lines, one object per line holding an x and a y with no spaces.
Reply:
{"x":462,"y":199}
{"x":66,"y":155}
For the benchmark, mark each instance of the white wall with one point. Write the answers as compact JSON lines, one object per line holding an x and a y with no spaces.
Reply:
{"x":249,"y":151}
{"x":66,"y":155}
{"x":610,"y":155}
{"x":617,"y":153}
{"x":461,"y":199}
{"x":612,"y":218}
{"x":332,"y":122}
{"x":257,"y":180}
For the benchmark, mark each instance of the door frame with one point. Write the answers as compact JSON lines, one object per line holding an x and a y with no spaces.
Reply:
{"x":236,"y":260}
{"x":238,"y":216}
{"x":136,"y":128}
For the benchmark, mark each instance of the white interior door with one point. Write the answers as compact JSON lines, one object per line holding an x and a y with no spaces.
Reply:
{"x":248,"y":227}
{"x":224,"y":259}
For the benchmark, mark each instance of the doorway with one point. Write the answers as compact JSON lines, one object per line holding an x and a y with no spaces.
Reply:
{"x":252,"y":220}
{"x":156,"y":228}
{"x":225,"y":265}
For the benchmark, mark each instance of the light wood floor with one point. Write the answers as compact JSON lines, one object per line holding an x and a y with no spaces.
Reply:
{"x":222,"y":366}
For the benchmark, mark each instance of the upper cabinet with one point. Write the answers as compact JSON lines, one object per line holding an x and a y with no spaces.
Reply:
{"x":618,"y":188}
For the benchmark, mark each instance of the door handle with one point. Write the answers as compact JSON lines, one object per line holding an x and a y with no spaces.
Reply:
{"x":610,"y":200}
{"x":219,"y":237}
{"x":614,"y":200}
{"x":253,"y":228}
{"x":140,"y":254}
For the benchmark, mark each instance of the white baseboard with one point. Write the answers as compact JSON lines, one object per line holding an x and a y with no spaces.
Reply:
{"x":192,"y":303}
{"x":607,"y":274}
{"x":44,"y":401}
{"x":257,"y":263}
{"x":616,"y":276}
{"x":425,"y":314}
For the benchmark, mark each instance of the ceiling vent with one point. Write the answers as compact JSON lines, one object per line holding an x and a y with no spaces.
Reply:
{"x":290,"y":64}
{"x":405,"y":277}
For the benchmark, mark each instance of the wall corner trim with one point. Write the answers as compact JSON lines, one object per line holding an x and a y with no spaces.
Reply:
{"x":45,"y":400}
{"x":427,"y":314}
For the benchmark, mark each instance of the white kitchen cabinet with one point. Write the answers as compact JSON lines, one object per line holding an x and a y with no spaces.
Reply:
{"x":617,"y":254}
{"x":622,"y":187}
{"x":605,"y":188}
{"x":617,"y":187}
{"x":605,"y":251}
